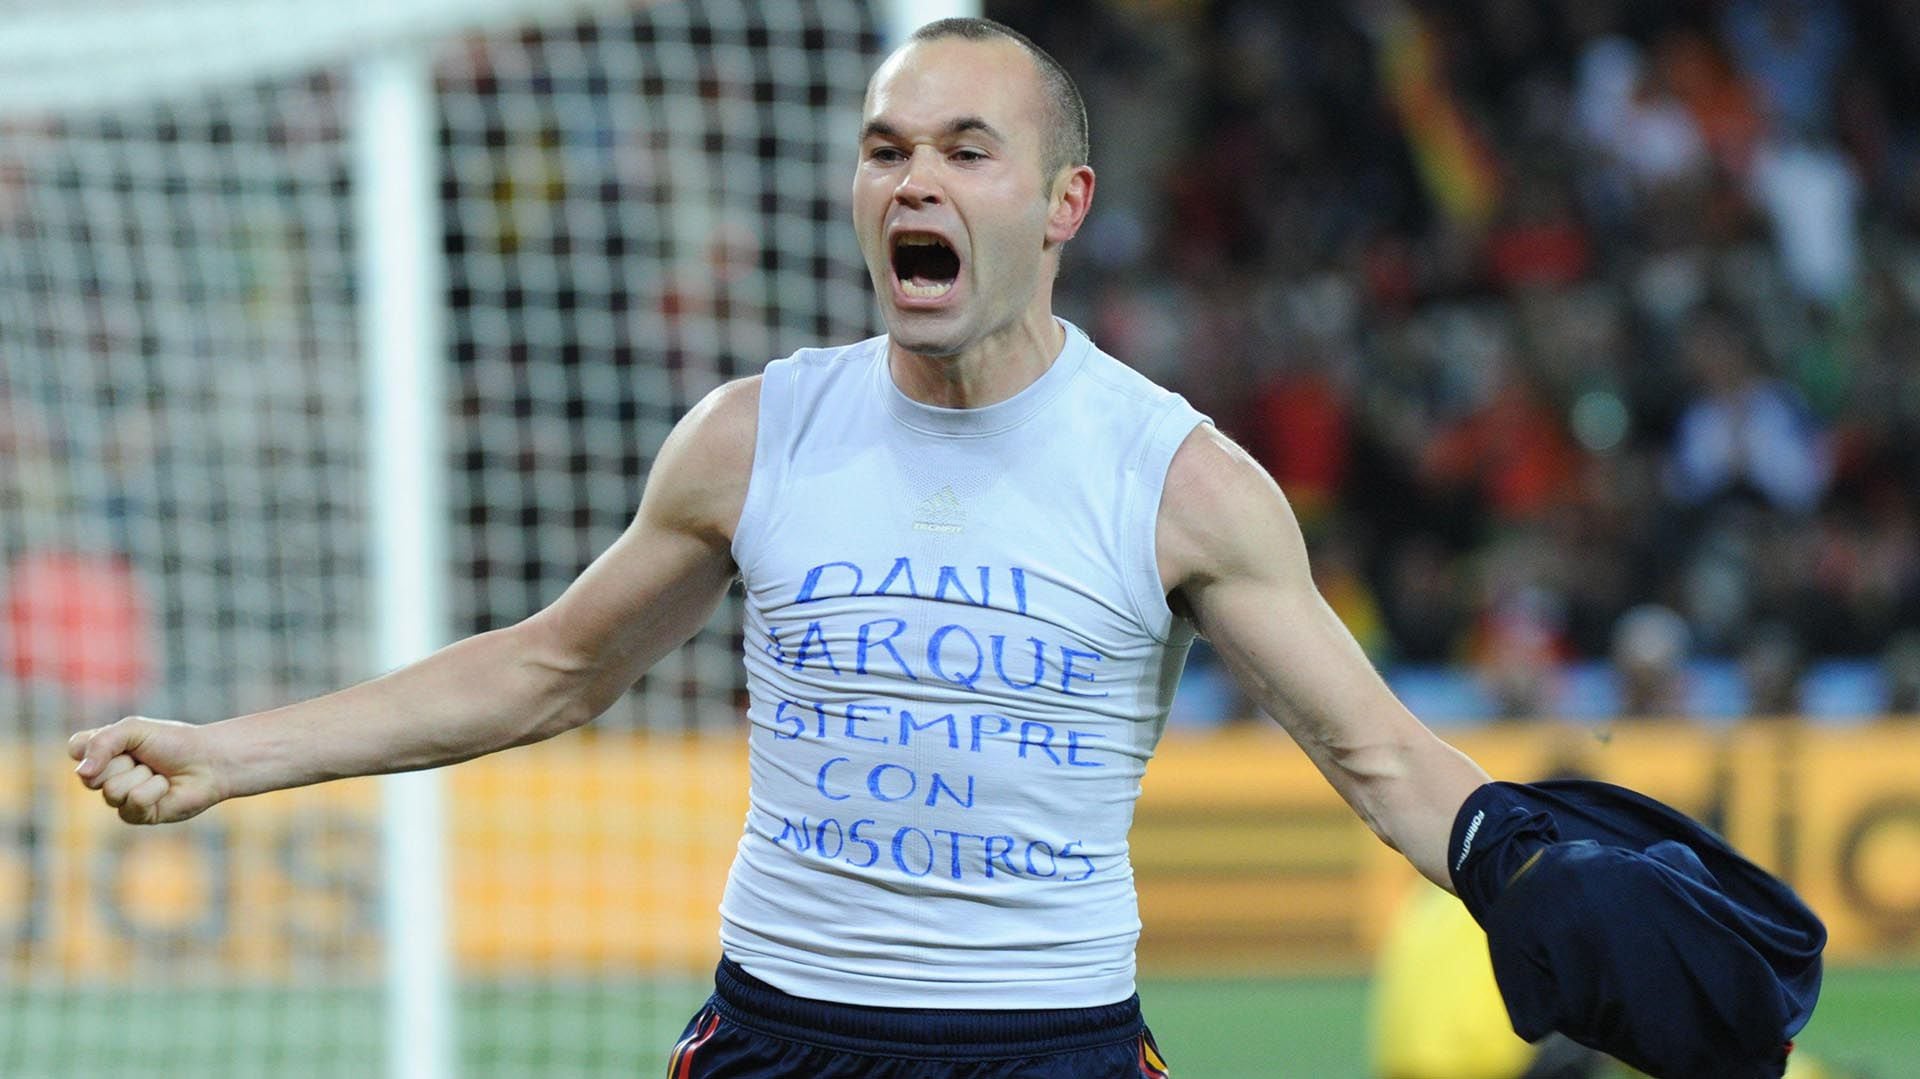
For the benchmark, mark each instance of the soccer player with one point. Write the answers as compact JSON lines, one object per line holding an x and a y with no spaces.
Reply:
{"x":974,"y":552}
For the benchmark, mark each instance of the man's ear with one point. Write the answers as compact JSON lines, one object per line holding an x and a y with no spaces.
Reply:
{"x":1071,"y":198}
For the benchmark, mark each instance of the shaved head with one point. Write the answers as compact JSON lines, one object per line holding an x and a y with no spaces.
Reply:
{"x":1066,"y":136}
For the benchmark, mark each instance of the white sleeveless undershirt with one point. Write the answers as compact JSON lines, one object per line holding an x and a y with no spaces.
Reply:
{"x":959,"y":658}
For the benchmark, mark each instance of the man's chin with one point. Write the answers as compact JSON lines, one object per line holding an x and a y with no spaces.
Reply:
{"x":922,"y":337}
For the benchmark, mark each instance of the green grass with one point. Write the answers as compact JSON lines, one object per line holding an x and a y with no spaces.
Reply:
{"x":1867,"y":1025}
{"x":1311,"y":1028}
{"x":1265,"y":1028}
{"x":1869,"y":1021}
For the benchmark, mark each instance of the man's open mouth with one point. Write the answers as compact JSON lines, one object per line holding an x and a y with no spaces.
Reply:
{"x":925,"y":265}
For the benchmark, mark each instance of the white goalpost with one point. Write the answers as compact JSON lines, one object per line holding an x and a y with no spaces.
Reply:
{"x":403,"y":345}
{"x":326,"y":337}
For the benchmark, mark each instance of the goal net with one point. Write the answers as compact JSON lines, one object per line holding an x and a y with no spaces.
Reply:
{"x":638,"y":203}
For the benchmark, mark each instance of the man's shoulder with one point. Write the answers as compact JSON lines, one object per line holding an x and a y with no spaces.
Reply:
{"x":698,"y":482}
{"x":727,"y":412}
{"x":1117,"y":376}
{"x":800,"y":380}
{"x":713,"y":443}
{"x":1211,"y":472}
{"x":828,"y":357}
{"x":1221,"y":513}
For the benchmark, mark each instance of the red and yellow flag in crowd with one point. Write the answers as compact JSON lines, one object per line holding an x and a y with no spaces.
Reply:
{"x":1455,"y":163}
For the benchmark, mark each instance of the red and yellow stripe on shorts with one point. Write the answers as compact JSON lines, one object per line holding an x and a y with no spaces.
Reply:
{"x":680,"y":1064}
{"x":1152,"y":1065}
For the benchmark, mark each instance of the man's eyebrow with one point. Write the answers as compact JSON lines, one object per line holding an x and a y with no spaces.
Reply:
{"x":970,"y":124}
{"x":960,"y":125}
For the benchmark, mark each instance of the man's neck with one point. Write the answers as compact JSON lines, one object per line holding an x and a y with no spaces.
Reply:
{"x":987,"y":373}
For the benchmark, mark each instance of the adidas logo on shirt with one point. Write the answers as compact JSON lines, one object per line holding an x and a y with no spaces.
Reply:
{"x":940,"y":513}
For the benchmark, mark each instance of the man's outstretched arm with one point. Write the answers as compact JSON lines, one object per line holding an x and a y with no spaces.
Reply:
{"x":647,"y":594}
{"x":1716,"y":965}
{"x":1231,"y":554}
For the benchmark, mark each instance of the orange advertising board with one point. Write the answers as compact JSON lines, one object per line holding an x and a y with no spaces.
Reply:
{"x":609,"y":852}
{"x":585,"y":853}
{"x":1835,"y":811}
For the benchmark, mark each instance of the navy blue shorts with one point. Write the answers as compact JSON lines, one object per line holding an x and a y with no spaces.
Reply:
{"x":750,"y":1030}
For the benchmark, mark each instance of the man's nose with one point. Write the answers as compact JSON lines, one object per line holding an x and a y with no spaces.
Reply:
{"x":919,"y":185}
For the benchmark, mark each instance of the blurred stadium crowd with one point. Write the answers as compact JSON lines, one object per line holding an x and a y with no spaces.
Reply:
{"x":1581,"y":334}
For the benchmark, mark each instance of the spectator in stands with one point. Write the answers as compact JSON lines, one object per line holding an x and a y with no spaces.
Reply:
{"x":1772,"y":665}
{"x":1519,"y":641}
{"x":1654,"y":136}
{"x":1650,"y":651}
{"x":1512,"y":451}
{"x":1791,"y":50}
{"x":1743,"y":431}
{"x":1336,"y":573}
{"x":1299,"y":428}
{"x":1652,"y":159}
{"x":1811,"y":196}
{"x":1425,"y":610}
{"x":1721,"y":102}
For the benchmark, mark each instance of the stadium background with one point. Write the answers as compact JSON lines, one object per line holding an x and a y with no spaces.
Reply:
{"x":1493,"y":288}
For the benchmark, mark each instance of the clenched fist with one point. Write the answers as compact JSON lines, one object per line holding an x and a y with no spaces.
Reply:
{"x":154,"y":771}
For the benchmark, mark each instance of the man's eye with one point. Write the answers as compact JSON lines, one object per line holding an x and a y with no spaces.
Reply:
{"x":968,"y":156}
{"x":886,"y":155}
